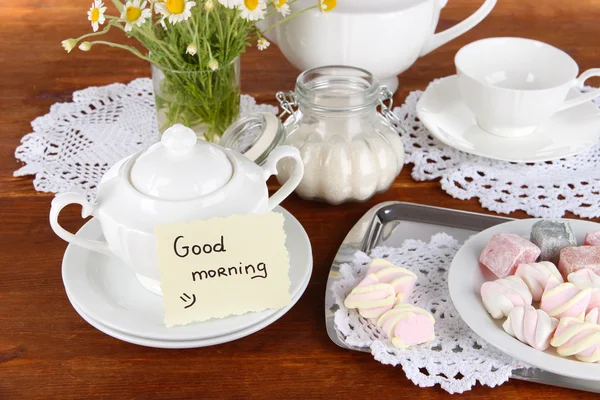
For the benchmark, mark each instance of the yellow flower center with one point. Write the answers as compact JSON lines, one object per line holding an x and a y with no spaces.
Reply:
{"x":133,"y":13}
{"x":280,"y":3}
{"x":176,"y":6}
{"x":95,"y":14}
{"x":328,"y":5}
{"x":251,"y":4}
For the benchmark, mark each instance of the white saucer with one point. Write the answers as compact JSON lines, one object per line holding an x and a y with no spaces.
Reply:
{"x":188,"y":344}
{"x":108,"y":293}
{"x":464,"y":281}
{"x":569,"y":132}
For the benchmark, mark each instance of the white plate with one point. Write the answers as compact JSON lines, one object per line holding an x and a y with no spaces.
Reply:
{"x":465,"y":279}
{"x":569,"y":132}
{"x":189,"y":344}
{"x":107,"y":291}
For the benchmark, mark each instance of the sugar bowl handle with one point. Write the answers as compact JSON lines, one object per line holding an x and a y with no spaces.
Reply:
{"x":60,"y":202}
{"x":270,"y":168}
{"x":449,"y":34}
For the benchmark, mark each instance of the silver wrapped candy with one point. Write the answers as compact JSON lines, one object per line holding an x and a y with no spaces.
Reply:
{"x":551,"y":236}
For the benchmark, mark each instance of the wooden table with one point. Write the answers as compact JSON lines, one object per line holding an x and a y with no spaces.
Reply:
{"x":48,"y":351}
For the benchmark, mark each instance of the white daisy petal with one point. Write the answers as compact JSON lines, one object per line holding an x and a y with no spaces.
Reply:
{"x":262,"y":44}
{"x":230,"y":3}
{"x":175,"y":10}
{"x":96,"y":14}
{"x":253,"y":10}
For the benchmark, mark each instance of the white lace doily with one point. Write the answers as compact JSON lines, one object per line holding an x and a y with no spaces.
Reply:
{"x":457,"y":359}
{"x":72,"y":147}
{"x":545,"y":189}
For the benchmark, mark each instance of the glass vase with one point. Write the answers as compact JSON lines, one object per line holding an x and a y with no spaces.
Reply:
{"x":206,"y":101}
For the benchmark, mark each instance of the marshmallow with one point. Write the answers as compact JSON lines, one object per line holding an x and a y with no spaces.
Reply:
{"x":407,"y":325}
{"x":577,"y":338}
{"x":531,"y":326}
{"x":537,"y":275}
{"x":400,"y":278}
{"x":502,"y":295}
{"x":371,"y":298}
{"x":566,"y":300}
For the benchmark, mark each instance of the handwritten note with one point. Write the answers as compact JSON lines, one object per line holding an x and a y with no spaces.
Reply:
{"x":223,"y":266}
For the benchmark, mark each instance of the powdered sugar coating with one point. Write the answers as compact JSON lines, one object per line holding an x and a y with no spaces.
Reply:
{"x":505,"y":251}
{"x":573,"y":259}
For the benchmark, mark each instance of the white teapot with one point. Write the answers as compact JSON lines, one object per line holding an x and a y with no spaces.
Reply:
{"x":178,"y":179}
{"x":385,"y":37}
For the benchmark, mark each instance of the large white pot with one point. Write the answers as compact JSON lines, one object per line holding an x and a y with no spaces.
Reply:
{"x":176,"y":180}
{"x":385,"y":37}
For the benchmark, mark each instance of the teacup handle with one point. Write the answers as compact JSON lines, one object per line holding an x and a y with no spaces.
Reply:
{"x":449,"y":34}
{"x":87,"y":209}
{"x":579,"y":82}
{"x":270,"y":168}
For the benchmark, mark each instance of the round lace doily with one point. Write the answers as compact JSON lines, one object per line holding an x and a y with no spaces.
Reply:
{"x":457,"y":359}
{"x":545,"y":189}
{"x":72,"y":147}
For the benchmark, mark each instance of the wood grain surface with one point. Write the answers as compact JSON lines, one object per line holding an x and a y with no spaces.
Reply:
{"x":47,"y":351}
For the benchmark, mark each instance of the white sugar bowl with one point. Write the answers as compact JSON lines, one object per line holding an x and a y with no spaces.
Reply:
{"x":178,"y":179}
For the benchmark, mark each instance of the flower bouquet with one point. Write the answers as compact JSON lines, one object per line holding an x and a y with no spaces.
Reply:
{"x":194,"y":49}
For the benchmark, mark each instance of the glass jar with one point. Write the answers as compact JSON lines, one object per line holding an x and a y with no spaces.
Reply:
{"x":206,"y":101}
{"x":350,"y":150}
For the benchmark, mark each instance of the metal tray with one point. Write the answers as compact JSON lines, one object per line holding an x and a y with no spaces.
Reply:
{"x":389,"y":224}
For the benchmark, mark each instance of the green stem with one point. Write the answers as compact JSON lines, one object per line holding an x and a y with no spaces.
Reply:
{"x":120,"y":46}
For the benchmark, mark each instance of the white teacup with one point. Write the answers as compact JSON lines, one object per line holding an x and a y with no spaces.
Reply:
{"x":513,"y":85}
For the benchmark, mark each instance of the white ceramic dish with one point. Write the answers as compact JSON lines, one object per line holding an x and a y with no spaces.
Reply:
{"x":465,"y":279}
{"x":448,"y":118}
{"x":110,"y":294}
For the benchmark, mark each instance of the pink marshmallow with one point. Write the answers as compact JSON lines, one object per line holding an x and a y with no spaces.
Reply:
{"x":575,"y":258}
{"x":592,"y":239}
{"x":505,"y":251}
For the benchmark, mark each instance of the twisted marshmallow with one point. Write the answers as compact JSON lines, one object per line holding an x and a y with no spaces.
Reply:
{"x":537,"y":275}
{"x":531,"y":326}
{"x":593,"y":316}
{"x":407,"y":325}
{"x":502,"y":295}
{"x":371,"y":298}
{"x":400,"y":278}
{"x":566,"y":300}
{"x":586,"y":278}
{"x":576,"y":338}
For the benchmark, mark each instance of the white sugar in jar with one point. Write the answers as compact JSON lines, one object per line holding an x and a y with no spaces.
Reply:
{"x":349,"y":149}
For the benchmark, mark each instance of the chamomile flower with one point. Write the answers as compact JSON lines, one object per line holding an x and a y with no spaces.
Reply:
{"x":282,"y":6}
{"x":135,"y":13}
{"x":96,"y":14}
{"x":262,"y":44}
{"x":230,"y":3}
{"x":209,"y":5}
{"x":191,"y":49}
{"x":68,"y":44}
{"x":253,"y":10}
{"x":327,"y":5}
{"x":85,"y":46}
{"x":175,"y":10}
{"x":213,"y":64}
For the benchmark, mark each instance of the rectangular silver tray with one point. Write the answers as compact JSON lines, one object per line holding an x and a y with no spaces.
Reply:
{"x":389,"y":224}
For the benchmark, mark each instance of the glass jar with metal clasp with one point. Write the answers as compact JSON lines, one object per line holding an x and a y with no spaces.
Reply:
{"x":350,"y":148}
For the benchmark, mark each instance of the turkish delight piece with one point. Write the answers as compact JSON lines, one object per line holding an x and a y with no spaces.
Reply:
{"x":505,"y":251}
{"x":592,"y":239}
{"x":551,"y":236}
{"x":573,"y":259}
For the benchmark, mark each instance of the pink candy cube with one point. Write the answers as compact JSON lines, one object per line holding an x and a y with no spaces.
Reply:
{"x":575,"y":258}
{"x":592,"y":239}
{"x":505,"y":251}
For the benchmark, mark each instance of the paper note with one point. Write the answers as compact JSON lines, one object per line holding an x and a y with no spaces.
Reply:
{"x":223,"y":266}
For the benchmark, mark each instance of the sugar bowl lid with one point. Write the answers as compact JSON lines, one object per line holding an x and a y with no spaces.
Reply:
{"x":180,"y":167}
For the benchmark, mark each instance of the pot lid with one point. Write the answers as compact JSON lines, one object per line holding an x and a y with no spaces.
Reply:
{"x":180,"y":167}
